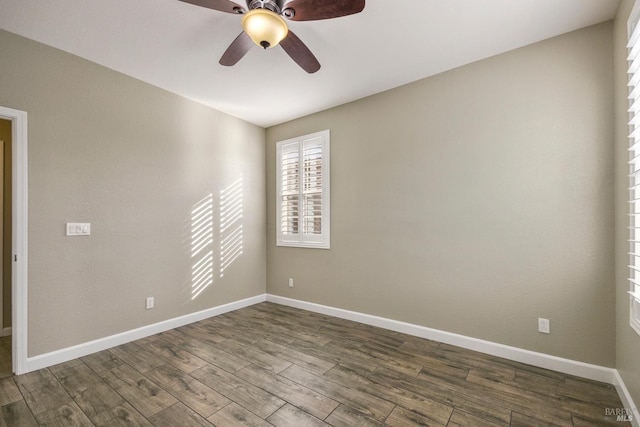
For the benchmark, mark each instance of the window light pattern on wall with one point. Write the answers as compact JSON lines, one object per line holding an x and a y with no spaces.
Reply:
{"x":231,"y":232}
{"x":634,"y":167}
{"x":302,"y":183}
{"x":201,"y":246}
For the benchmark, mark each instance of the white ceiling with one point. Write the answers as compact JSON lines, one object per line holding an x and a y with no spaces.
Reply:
{"x":176,"y":46}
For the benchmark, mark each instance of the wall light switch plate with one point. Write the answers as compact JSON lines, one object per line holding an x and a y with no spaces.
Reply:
{"x":78,"y":229}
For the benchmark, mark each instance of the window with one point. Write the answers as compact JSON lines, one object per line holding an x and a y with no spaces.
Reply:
{"x":634,"y":167}
{"x":302,"y":183}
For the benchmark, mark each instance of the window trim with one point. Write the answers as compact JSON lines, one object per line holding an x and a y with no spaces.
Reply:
{"x":301,"y":240}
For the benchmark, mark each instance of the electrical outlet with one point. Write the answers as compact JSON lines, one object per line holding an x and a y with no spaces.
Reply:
{"x":291,"y":282}
{"x":149,"y":303}
{"x":544,"y":326}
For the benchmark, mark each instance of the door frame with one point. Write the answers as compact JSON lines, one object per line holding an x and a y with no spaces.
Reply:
{"x":19,"y":238}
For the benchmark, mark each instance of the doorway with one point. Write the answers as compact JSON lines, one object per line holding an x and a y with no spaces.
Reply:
{"x":15,"y":250}
{"x":6,"y":367}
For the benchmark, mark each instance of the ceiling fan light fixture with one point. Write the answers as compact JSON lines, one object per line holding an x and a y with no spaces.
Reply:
{"x":264,"y":27}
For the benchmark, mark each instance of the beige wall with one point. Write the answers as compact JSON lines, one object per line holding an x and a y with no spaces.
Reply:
{"x":474,"y":201}
{"x":5,"y":135}
{"x":627,"y":341}
{"x":132,"y":160}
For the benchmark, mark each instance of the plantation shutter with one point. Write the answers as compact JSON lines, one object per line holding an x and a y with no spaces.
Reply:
{"x":290,"y":195}
{"x":634,"y":169}
{"x":312,"y":190}
{"x":303,"y":191}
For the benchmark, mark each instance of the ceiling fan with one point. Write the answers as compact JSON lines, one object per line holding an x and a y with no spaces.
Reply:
{"x":263,"y":24}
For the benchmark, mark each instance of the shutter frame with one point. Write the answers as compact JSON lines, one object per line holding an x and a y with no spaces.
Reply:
{"x":308,"y":225}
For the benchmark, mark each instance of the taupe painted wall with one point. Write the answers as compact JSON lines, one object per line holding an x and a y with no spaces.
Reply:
{"x":132,"y":160}
{"x":474,"y":201}
{"x":5,"y":135}
{"x":627,"y":340}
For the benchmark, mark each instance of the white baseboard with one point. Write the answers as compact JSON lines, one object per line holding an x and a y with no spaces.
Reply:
{"x":6,"y":332}
{"x":567,"y":366}
{"x":626,"y":399}
{"x":80,"y":350}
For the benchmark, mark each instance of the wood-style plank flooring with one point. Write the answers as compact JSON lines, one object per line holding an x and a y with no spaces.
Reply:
{"x":5,"y":357}
{"x":273,"y":365}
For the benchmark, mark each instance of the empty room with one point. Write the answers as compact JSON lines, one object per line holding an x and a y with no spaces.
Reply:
{"x":320,"y":213}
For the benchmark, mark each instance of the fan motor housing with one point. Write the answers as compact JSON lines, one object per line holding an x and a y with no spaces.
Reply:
{"x":272,"y":5}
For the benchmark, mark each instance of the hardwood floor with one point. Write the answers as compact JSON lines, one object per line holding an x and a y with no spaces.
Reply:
{"x":5,"y":357}
{"x":272,"y":365}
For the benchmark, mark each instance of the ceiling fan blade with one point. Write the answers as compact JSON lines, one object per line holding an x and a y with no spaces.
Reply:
{"x":221,"y":5}
{"x":236,"y":50}
{"x":300,"y":53}
{"x":313,"y":10}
